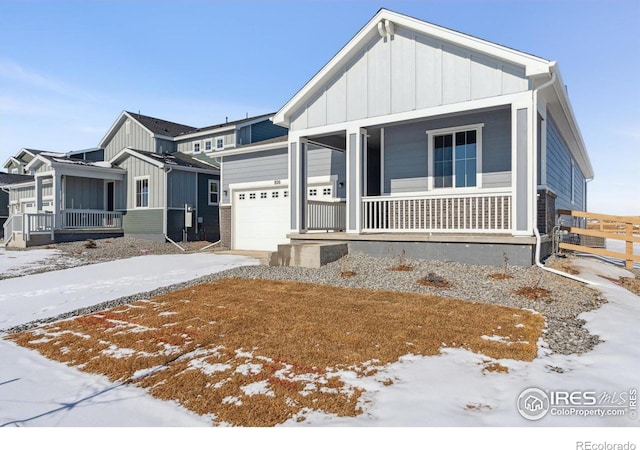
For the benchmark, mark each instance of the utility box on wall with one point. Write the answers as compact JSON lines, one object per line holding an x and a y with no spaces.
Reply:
{"x":188,"y":215}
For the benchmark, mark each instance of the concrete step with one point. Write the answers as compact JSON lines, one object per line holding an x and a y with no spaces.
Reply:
{"x":309,"y":254}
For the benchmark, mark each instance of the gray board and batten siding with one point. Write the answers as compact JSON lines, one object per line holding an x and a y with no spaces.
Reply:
{"x":559,"y":168}
{"x":134,"y":136}
{"x":181,"y":189}
{"x":405,"y":150}
{"x":272,"y":165}
{"x":136,"y":167}
{"x":144,"y":223}
{"x":83,"y":193}
{"x":408,"y":72}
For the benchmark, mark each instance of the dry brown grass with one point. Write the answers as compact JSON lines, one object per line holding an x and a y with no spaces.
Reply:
{"x":630,"y":284}
{"x":534,"y":293}
{"x":495,"y":367}
{"x":401,"y":268}
{"x":500,"y":276}
{"x":258,"y":352}
{"x":348,"y":274}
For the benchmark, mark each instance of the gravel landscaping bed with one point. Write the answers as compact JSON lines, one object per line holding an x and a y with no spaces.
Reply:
{"x":561,"y":300}
{"x":80,"y":253}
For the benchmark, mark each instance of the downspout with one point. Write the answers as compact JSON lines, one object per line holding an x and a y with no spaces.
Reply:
{"x":534,"y":116}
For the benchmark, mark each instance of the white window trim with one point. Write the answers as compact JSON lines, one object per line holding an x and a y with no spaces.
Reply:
{"x":193,"y":146}
{"x":431,"y":134}
{"x":217,"y":183}
{"x":219,"y":138}
{"x":135,"y":191}
{"x":204,"y":148}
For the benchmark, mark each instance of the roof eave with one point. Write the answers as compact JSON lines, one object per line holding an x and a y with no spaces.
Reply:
{"x":533,"y":64}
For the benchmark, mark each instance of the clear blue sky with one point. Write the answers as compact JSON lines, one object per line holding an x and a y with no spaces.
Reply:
{"x":67,"y":69}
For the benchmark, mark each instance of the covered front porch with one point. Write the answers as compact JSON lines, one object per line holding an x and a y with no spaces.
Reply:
{"x":457,"y":174}
{"x":66,"y":201}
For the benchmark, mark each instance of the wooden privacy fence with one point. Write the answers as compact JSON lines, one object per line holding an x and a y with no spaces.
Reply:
{"x":603,"y":226}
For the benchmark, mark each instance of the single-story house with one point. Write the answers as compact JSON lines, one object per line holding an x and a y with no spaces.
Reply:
{"x":414,"y":139}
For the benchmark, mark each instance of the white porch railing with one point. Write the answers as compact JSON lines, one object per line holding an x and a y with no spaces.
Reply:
{"x":330,"y":216}
{"x":462,"y":213}
{"x":90,"y":218}
{"x":12,"y":225}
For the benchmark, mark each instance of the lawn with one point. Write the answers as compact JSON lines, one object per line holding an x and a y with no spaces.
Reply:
{"x":258,"y":352}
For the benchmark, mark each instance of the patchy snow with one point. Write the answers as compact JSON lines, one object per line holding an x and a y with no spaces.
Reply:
{"x":15,"y":262}
{"x":258,"y":388}
{"x":449,"y":389}
{"x":208,"y":368}
{"x":52,"y":293}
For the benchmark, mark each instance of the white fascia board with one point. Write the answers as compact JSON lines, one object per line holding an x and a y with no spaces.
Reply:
{"x":10,"y":160}
{"x":19,"y":185}
{"x":426,"y":113}
{"x":37,"y":159}
{"x":251,"y":149}
{"x":131,"y":152}
{"x":533,"y":64}
{"x":198,"y":134}
{"x":113,"y":129}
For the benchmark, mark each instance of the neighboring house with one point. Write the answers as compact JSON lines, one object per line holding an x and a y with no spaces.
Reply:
{"x":7,"y":179}
{"x":148,"y":177}
{"x":433,"y":143}
{"x":17,"y":164}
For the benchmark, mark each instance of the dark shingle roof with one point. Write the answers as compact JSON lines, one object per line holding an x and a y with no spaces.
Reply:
{"x":160,"y":126}
{"x":227,"y":124}
{"x":13,"y":178}
{"x":177,"y":159}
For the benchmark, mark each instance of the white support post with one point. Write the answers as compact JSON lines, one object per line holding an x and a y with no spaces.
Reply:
{"x":57,"y":190}
{"x":38,"y":187}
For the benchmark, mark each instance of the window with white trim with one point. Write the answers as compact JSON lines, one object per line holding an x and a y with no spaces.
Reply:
{"x":274,"y":194}
{"x":455,"y":157}
{"x":263,"y":195}
{"x":196,"y":147}
{"x":213,"y":192}
{"x":142,"y":192}
{"x":208,"y":145}
{"x":252,"y":195}
{"x":313,"y":192}
{"x":219,"y":143}
{"x":241,"y":196}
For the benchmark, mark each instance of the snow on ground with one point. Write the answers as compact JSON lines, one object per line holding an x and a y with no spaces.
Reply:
{"x":450,"y":389}
{"x":17,"y":262}
{"x":52,"y":293}
{"x":40,"y":392}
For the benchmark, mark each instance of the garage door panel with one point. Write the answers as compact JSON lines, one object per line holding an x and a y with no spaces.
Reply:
{"x":260,"y":219}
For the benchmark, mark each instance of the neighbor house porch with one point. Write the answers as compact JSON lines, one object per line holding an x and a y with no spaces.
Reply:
{"x":66,"y":201}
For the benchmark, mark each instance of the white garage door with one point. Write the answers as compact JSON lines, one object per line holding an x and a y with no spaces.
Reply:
{"x":260,"y":218}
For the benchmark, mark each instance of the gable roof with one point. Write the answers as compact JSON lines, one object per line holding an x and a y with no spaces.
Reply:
{"x":533,"y":65}
{"x":177,"y":160}
{"x":161,"y":126}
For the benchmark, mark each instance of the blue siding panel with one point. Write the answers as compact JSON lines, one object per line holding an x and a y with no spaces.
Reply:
{"x":264,"y":130}
{"x":559,"y":168}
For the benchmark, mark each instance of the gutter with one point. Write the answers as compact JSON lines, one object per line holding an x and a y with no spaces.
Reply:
{"x":535,"y":191}
{"x":164,"y":215}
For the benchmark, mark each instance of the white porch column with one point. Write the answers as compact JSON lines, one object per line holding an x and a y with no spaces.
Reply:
{"x":522,"y":167}
{"x":356,"y":147}
{"x":38,"y":187}
{"x":57,"y":196}
{"x":298,"y":184}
